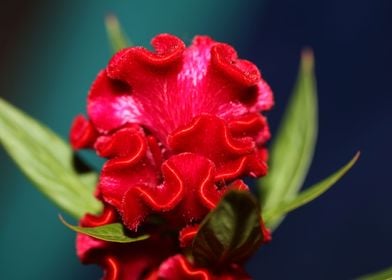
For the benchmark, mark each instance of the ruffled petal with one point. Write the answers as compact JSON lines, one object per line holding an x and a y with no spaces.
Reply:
{"x":187,"y":189}
{"x":130,"y":164}
{"x":126,"y":261}
{"x":265,"y":97}
{"x":109,"y":105}
{"x":209,"y":136}
{"x":167,"y":88}
{"x":178,"y":267}
{"x":187,"y":234}
{"x":151,"y":85}
{"x":82,"y":134}
{"x":251,"y":125}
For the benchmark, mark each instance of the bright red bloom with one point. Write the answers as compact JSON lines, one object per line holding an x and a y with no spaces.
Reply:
{"x":179,"y":128}
{"x":157,"y":112}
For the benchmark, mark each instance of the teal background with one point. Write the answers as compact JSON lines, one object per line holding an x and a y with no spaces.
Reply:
{"x":50,"y":52}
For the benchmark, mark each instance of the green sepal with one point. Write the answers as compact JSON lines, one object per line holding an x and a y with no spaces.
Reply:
{"x":229,"y":233}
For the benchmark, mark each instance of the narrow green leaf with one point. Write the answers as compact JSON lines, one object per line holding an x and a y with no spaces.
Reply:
{"x":117,"y":37}
{"x":380,"y":275}
{"x":308,"y":195}
{"x":230,"y":233}
{"x":111,"y":232}
{"x":292,"y":151}
{"x":46,"y":160}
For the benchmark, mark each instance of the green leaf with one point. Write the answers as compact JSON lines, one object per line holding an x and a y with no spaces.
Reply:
{"x":380,"y":275}
{"x":292,"y":151}
{"x":111,"y":232}
{"x":306,"y":196}
{"x":117,"y":37}
{"x":230,"y":233}
{"x":46,"y":160}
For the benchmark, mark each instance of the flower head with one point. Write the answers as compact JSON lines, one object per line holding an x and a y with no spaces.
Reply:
{"x":179,"y":127}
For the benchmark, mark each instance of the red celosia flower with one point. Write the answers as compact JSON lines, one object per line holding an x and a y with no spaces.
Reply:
{"x":179,"y":126}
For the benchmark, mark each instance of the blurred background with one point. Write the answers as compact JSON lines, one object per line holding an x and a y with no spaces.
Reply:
{"x":50,"y":52}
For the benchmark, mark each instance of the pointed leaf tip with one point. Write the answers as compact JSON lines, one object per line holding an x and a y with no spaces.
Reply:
{"x":307,"y":59}
{"x":309,"y":194}
{"x":111,"y":232}
{"x":118,"y":39}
